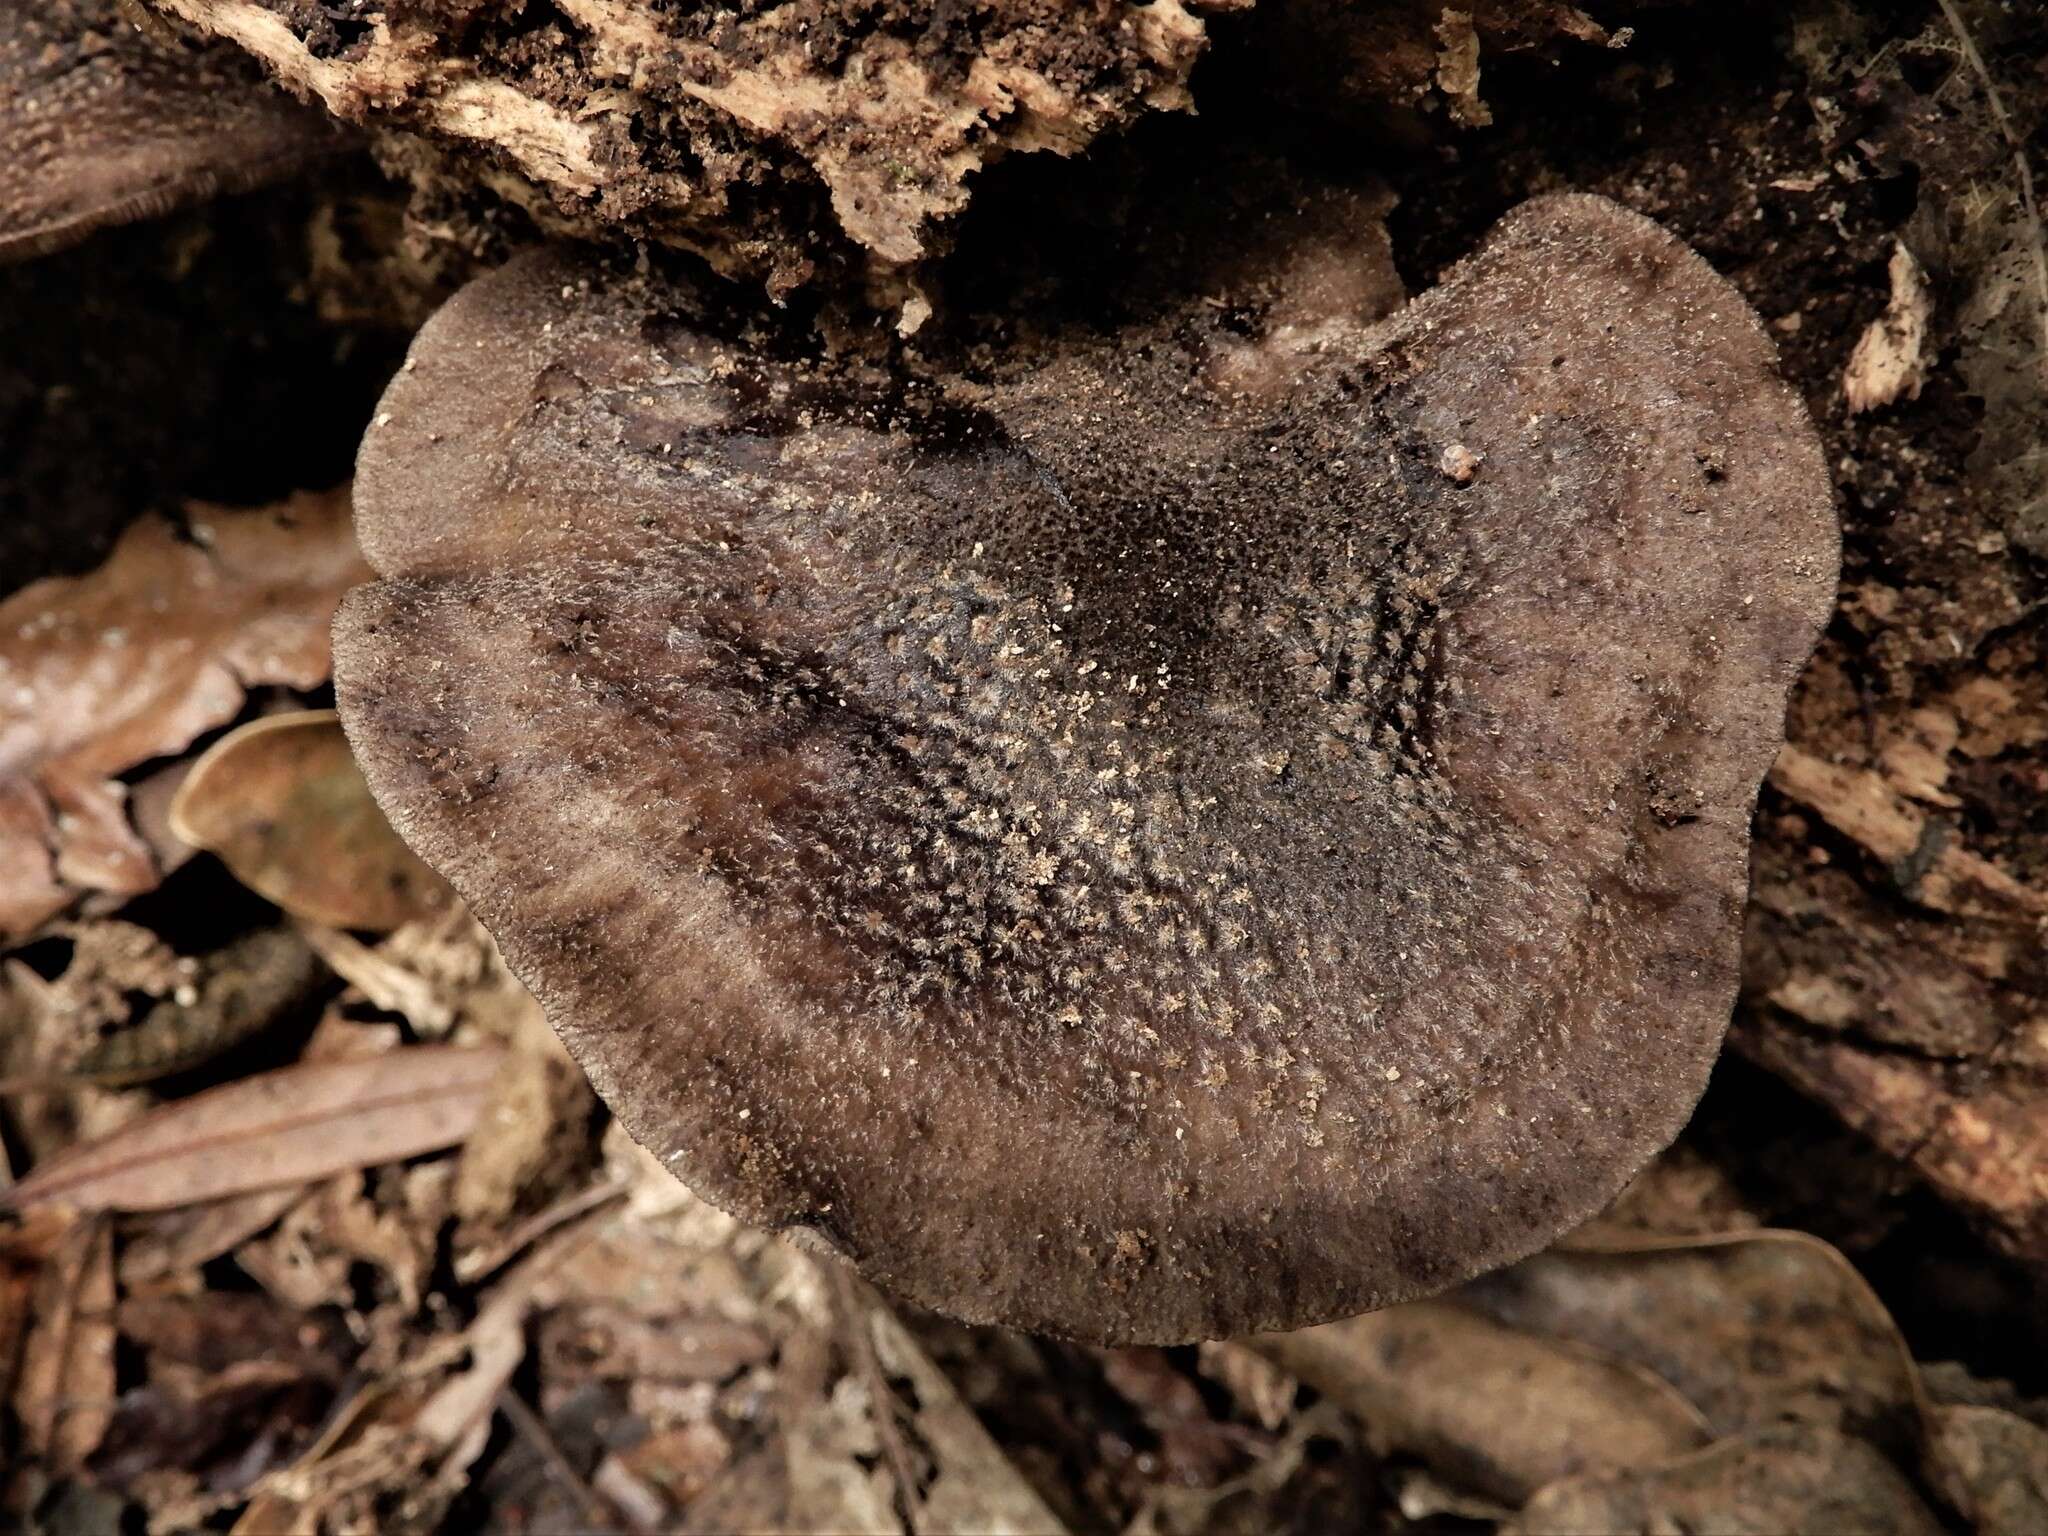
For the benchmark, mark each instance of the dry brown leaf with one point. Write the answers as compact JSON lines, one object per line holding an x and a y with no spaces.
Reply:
{"x":1992,"y":1466}
{"x":284,"y":1127}
{"x":281,"y":802}
{"x":1751,"y":1328}
{"x":1436,"y":1380}
{"x":1797,"y":1477}
{"x":64,"y":1396}
{"x":104,"y":672}
{"x":162,"y":1243}
{"x":1682,"y":1193}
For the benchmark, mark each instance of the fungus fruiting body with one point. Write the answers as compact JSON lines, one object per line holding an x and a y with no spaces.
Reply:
{"x":99,"y":125}
{"x":1225,"y":825}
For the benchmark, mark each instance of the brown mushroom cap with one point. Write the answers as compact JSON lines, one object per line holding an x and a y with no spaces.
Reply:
{"x":1147,"y":846}
{"x":99,"y":125}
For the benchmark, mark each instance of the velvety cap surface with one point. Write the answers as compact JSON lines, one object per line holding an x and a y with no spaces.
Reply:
{"x":1240,"y":821}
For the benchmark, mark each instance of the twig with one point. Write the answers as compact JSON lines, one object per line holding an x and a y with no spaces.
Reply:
{"x":2028,"y":202}
{"x":853,"y":1313}
{"x":472,"y":1267}
{"x":529,"y":1426}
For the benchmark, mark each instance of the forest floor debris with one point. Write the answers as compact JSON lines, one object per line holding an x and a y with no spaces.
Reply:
{"x":346,"y":1242}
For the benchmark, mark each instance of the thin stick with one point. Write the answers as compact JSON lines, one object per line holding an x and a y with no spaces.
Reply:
{"x":472,"y":1267}
{"x":853,"y":1311}
{"x":597,"y":1509}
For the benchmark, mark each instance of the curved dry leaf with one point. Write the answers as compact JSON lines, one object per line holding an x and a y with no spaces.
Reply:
{"x":167,"y":1243}
{"x":1772,"y":1325}
{"x":1797,"y":1477}
{"x":100,"y":124}
{"x":281,"y":802}
{"x":103,"y":672}
{"x":220,"y":1001}
{"x":1751,"y":1328}
{"x":1991,"y":1465}
{"x":1437,"y":1380}
{"x":284,"y":1127}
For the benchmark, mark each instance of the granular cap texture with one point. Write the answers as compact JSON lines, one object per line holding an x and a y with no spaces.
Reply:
{"x":1235,"y":820}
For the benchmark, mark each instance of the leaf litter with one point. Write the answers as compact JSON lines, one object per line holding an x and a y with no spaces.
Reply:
{"x":269,"y":1311}
{"x":104,"y":673}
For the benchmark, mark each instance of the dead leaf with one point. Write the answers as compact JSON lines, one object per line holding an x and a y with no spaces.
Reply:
{"x":172,"y":1242}
{"x":1798,"y":1477}
{"x":219,"y":1001}
{"x":281,"y":802}
{"x":103,"y":672}
{"x":1682,"y":1193}
{"x":1436,"y":1380}
{"x":64,"y":1396}
{"x":1890,"y":359}
{"x":284,"y":1127}
{"x":1750,"y":1328}
{"x":1992,"y":1466}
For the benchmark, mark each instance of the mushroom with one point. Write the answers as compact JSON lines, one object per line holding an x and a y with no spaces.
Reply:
{"x":1125,"y":843}
{"x":99,"y":125}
